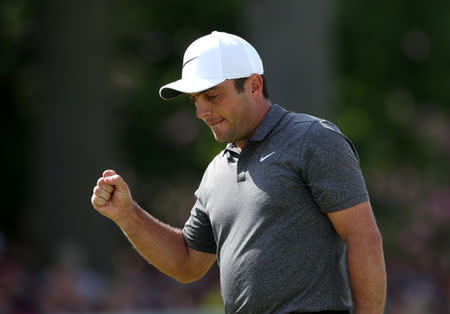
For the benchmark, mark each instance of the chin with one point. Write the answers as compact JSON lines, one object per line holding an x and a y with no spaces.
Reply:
{"x":222,"y":139}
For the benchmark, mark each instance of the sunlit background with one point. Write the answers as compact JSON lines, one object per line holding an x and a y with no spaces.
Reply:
{"x":79,"y":87}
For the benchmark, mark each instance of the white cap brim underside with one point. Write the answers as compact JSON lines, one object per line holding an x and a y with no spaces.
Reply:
{"x":176,"y":88}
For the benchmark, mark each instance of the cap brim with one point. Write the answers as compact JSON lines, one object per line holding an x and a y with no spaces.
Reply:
{"x":184,"y":86}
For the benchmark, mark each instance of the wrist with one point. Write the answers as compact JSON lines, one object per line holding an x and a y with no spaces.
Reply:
{"x":128,"y":216}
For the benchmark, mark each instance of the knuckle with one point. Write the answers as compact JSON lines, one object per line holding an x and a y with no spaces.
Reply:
{"x":116,"y":177}
{"x":97,"y":201}
{"x":108,"y":188}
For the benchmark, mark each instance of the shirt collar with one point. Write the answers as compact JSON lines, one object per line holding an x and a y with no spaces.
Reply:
{"x":231,"y":147}
{"x":269,"y":121}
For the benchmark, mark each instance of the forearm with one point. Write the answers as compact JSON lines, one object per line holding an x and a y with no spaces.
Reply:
{"x":161,"y":245}
{"x":367,"y":275}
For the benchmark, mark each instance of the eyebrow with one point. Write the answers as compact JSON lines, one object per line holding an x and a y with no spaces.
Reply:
{"x":206,"y":90}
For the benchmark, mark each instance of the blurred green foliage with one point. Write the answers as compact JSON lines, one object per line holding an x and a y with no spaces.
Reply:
{"x":16,"y":57}
{"x":393,"y":97}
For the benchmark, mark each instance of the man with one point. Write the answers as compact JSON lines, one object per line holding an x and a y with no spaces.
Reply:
{"x":283,"y":208}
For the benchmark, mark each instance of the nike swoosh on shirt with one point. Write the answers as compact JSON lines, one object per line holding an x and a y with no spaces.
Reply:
{"x":265,"y":157}
{"x":189,"y":61}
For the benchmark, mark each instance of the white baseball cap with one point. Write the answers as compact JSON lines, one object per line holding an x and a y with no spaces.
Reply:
{"x":212,"y":59}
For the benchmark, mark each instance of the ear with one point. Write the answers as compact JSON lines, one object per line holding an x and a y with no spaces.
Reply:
{"x":255,"y":84}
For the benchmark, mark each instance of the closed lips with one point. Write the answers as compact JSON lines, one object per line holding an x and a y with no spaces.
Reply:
{"x":213,"y":122}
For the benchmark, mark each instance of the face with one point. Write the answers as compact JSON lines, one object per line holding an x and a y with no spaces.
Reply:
{"x":227,"y":113}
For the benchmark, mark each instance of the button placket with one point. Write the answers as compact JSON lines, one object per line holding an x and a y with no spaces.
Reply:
{"x":241,"y":176}
{"x":242,"y":166}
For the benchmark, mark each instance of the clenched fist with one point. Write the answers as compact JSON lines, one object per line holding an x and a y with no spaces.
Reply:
{"x":112,"y":197}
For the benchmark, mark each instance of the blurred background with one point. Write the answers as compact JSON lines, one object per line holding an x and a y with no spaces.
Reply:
{"x":79,"y":87}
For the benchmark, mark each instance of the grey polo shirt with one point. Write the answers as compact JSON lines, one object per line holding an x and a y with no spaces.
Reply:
{"x":263,"y":211}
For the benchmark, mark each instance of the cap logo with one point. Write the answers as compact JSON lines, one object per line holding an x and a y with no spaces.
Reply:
{"x":189,"y":61}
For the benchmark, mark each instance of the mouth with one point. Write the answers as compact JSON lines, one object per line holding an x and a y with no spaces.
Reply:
{"x":214,"y":122}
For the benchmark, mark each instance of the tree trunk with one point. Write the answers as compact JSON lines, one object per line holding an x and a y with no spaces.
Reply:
{"x":292,"y":38}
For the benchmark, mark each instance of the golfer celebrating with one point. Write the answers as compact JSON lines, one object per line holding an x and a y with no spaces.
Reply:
{"x":283,"y":208}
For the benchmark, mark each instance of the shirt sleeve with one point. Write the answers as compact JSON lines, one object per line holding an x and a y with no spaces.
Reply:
{"x":329,"y":165}
{"x":197,"y":230}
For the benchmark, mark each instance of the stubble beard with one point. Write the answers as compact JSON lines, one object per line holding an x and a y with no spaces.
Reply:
{"x":231,"y":136}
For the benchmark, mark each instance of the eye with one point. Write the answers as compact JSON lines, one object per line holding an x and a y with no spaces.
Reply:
{"x":211,"y":97}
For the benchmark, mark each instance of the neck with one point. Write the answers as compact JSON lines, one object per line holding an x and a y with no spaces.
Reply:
{"x":261,"y":109}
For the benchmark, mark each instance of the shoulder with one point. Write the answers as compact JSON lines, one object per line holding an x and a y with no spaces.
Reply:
{"x":217,"y":163}
{"x":302,"y":120}
{"x":307,"y":126}
{"x":315,"y":134}
{"x":310,"y":123}
{"x":326,"y":138}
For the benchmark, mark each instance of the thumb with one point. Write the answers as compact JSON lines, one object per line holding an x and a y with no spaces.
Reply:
{"x":118,"y":182}
{"x":108,"y":173}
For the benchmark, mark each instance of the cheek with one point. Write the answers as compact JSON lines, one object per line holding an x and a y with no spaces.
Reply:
{"x":242,"y":113}
{"x":233,"y":108}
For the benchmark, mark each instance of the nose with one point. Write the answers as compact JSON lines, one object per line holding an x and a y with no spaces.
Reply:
{"x":202,"y":108}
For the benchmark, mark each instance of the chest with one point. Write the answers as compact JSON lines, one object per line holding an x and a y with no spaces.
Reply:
{"x":260,"y":187}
